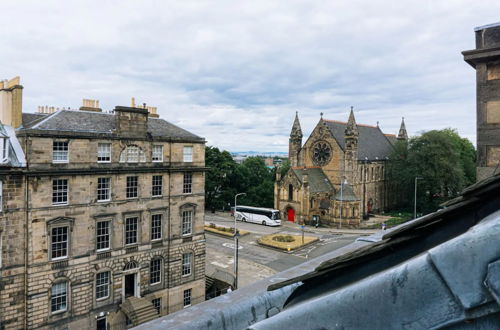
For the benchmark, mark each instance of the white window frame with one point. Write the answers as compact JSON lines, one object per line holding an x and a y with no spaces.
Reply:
{"x":108,"y":235}
{"x":67,"y":241}
{"x":187,"y":264}
{"x":62,"y":160}
{"x":106,"y":285}
{"x":187,"y":222}
{"x":137,"y":224}
{"x":104,"y":151}
{"x":157,"y":153}
{"x":157,"y":304}
{"x":61,"y":191}
{"x":131,"y":187}
{"x":133,"y":154}
{"x":187,"y":185}
{"x":157,"y":269}
{"x":1,"y":196}
{"x":59,"y":294}
{"x":104,"y":189}
{"x":154,"y":183}
{"x":159,"y":230}
{"x":187,"y":154}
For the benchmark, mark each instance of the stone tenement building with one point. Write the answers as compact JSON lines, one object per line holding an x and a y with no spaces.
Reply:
{"x":486,"y":60}
{"x":101,"y":222}
{"x":340,"y":167}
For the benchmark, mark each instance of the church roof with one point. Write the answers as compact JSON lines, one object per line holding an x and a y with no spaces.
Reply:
{"x":372,"y":143}
{"x":318,"y":182}
{"x":347,"y":194}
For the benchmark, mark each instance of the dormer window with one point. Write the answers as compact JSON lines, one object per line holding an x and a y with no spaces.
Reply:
{"x":4,"y":141}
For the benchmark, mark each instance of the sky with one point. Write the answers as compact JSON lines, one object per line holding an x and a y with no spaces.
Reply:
{"x":235,"y":72}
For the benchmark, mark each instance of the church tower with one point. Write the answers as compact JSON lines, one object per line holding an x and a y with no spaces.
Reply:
{"x":402,"y":135}
{"x":295,"y":142}
{"x":351,"y":148}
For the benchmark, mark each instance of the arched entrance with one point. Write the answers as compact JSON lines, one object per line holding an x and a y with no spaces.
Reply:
{"x":290,"y":214}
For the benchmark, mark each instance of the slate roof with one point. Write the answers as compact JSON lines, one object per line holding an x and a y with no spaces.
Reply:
{"x":346,"y":194}
{"x":99,"y":123}
{"x":392,"y":138}
{"x":318,"y":181}
{"x":372,"y":143}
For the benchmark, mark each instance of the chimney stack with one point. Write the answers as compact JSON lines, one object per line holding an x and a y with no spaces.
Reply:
{"x":11,"y":102}
{"x":90,"y":105}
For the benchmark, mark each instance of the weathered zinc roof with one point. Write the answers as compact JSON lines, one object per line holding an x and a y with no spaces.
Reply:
{"x":318,"y":182}
{"x":372,"y":144}
{"x":99,"y":123}
{"x":346,"y":194}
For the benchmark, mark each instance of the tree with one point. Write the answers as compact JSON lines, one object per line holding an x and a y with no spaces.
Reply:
{"x":443,"y":160}
{"x":225,"y":178}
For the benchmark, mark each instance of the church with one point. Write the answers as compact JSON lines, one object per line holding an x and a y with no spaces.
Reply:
{"x":337,"y":178}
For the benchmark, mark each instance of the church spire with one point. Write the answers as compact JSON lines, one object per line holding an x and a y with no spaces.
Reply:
{"x":296,"y":129}
{"x":351,"y":127}
{"x":402,"y":135}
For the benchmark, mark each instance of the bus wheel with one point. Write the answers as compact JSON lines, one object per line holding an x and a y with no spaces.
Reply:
{"x":263,"y":223}
{"x":244,"y":219}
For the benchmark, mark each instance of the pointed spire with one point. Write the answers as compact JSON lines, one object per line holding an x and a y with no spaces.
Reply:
{"x":351,"y":128}
{"x":402,"y":135}
{"x":296,"y":129}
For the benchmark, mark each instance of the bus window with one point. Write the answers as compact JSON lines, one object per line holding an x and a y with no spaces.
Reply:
{"x":276,"y":216}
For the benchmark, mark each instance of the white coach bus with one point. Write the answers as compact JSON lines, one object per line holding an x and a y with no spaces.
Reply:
{"x":267,"y":217}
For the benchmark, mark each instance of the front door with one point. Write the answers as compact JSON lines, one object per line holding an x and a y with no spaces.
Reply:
{"x":130,"y":285}
{"x":291,"y":214}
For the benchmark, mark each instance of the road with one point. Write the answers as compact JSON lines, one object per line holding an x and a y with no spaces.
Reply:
{"x":257,"y":262}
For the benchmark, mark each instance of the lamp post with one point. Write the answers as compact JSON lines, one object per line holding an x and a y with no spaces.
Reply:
{"x":415,"y":207}
{"x":236,"y":243}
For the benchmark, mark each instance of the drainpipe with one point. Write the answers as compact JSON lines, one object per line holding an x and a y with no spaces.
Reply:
{"x":169,"y":210}
{"x":26,"y":223}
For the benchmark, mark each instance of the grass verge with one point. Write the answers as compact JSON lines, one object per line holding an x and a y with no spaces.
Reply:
{"x":291,"y":242}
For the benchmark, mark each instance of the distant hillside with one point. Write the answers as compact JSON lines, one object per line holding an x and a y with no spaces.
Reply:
{"x":259,"y":153}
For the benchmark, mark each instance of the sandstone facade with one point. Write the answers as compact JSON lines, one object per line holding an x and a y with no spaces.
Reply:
{"x":84,"y":229}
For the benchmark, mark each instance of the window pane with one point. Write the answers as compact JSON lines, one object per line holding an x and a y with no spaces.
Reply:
{"x":60,"y":191}
{"x":102,"y":285}
{"x":188,"y":154}
{"x":186,"y":263}
{"x":157,"y":153}
{"x":104,"y":152}
{"x":188,"y":183}
{"x":102,"y":235}
{"x":59,"y":296}
{"x":157,"y":185}
{"x":132,"y":184}
{"x":157,"y":304}
{"x":59,"y":151}
{"x":187,"y":222}
{"x":156,"y":226}
{"x":131,"y":230}
{"x":187,"y":297}
{"x":155,"y":271}
{"x":59,"y":242}
{"x":103,"y":189}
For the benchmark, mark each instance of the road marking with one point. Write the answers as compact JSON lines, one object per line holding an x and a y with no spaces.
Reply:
{"x":215,"y":263}
{"x":231,"y":246}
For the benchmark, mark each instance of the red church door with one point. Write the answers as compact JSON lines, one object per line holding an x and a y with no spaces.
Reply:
{"x":291,"y":214}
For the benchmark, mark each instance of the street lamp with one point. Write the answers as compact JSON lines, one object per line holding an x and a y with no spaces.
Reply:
{"x":236,"y":243}
{"x":415,"y":207}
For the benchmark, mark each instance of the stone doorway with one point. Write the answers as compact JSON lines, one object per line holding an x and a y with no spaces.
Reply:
{"x":130,"y":285}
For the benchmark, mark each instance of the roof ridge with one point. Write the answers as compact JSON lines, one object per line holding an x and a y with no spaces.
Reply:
{"x":345,"y":123}
{"x":46,"y":119}
{"x":389,"y":134}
